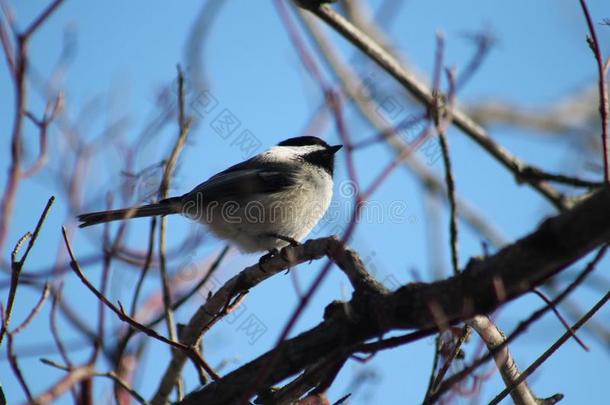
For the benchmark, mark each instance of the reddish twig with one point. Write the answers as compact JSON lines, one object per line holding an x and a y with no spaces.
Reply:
{"x":452,"y":356}
{"x":564,"y":338}
{"x":34,"y":311}
{"x":484,"y":41}
{"x":51,"y":112}
{"x":603,"y":89}
{"x":7,"y":48}
{"x":20,"y":62}
{"x":522,"y":327}
{"x":41,"y":18}
{"x":190,"y":351}
{"x":333,"y":100}
{"x":110,"y":374}
{"x":421,"y":92}
{"x":57,"y":296}
{"x":385,"y":134}
{"x":75,"y":376}
{"x":54,"y":330}
{"x":561,"y":318}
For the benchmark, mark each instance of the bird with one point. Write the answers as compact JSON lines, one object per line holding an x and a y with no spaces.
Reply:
{"x":265,"y":203}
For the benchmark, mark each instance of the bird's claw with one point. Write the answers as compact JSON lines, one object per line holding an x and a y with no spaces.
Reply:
{"x":273,"y":252}
{"x":266,"y":257}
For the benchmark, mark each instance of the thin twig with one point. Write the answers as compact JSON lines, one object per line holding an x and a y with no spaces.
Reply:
{"x":209,"y":313}
{"x":17,"y":265}
{"x":52,"y":110}
{"x":522,"y":327}
{"x":109,"y":253}
{"x":12,"y":358}
{"x":7,"y":47}
{"x":441,"y":122}
{"x":57,"y":337}
{"x":15,"y":273}
{"x":183,"y":299}
{"x":352,"y":86}
{"x":435,"y":360}
{"x":184,"y":127}
{"x":421,"y":92}
{"x":75,"y":376}
{"x":188,"y":350}
{"x":20,"y":63}
{"x":602,"y":88}
{"x":394,"y":341}
{"x":149,"y":255}
{"x":54,"y":330}
{"x":41,"y":19}
{"x":452,"y":356}
{"x":564,"y":338}
{"x":34,"y":311}
{"x":561,"y":319}
{"x":215,"y":265}
{"x":109,"y":374}
{"x":521,"y":265}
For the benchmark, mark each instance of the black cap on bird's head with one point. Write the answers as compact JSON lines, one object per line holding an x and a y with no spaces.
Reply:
{"x":309,"y":141}
{"x":322,"y":156}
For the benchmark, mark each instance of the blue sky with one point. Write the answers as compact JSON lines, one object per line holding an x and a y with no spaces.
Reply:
{"x":126,"y":52}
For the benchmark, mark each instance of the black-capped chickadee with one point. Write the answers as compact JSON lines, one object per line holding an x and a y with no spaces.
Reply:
{"x":264,"y":203}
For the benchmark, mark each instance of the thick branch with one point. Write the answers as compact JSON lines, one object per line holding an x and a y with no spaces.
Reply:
{"x":479,"y":289}
{"x":493,"y":337}
{"x":216,"y":306}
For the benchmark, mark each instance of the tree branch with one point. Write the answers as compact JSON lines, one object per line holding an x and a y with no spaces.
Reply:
{"x":422,"y":93}
{"x":483,"y":286}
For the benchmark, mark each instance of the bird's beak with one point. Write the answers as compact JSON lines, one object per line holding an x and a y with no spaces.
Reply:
{"x":334,"y":149}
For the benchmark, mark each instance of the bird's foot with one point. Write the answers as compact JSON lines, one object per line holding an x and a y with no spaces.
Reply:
{"x":266,"y":257}
{"x":273,"y":252}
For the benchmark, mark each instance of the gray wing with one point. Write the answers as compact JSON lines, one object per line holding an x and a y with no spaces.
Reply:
{"x":245,"y":180}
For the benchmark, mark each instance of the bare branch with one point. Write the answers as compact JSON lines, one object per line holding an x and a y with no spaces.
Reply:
{"x":34,"y":311}
{"x":557,"y":243}
{"x":12,"y":358}
{"x":564,"y":338}
{"x":523,"y":325}
{"x":209,"y":313}
{"x":493,"y":338}
{"x":41,"y":18}
{"x":561,"y":319}
{"x":75,"y":376}
{"x":110,"y":374}
{"x":17,"y":265}
{"x":421,"y":92}
{"x":351,"y":84}
{"x":189,"y":351}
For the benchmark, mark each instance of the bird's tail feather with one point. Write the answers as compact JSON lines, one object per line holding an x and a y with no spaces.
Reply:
{"x":163,"y":207}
